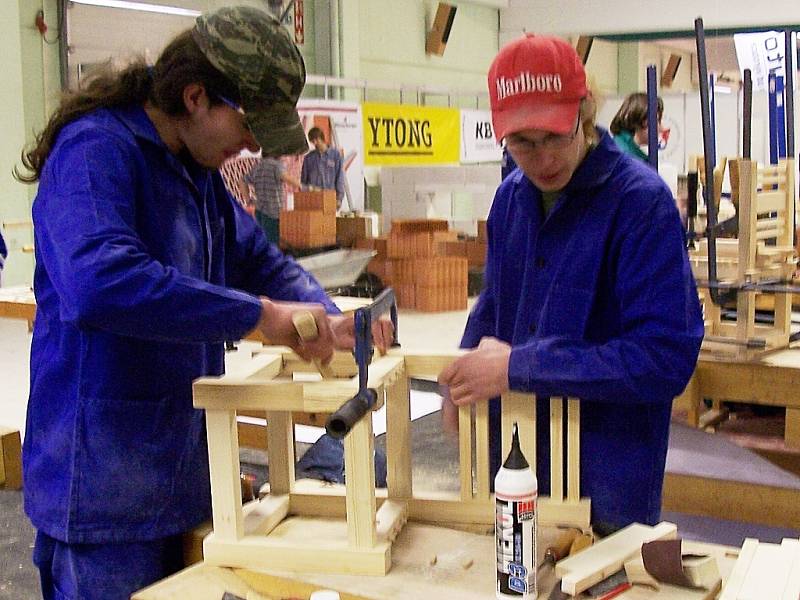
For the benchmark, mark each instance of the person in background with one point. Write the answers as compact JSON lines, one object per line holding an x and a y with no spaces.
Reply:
{"x":145,"y":265}
{"x":267,"y":178}
{"x":3,"y":256}
{"x":322,"y":167}
{"x":629,"y":125}
{"x":588,"y":291}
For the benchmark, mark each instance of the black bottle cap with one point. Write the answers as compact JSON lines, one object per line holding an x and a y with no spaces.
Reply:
{"x":515,"y":459}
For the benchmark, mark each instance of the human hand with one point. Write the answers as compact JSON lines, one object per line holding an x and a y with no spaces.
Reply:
{"x":278,"y":326}
{"x":478,"y":375}
{"x":449,"y":411}
{"x":343,"y":327}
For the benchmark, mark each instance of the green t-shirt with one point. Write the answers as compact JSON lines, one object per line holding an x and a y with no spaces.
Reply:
{"x":625,"y":141}
{"x":549,"y":200}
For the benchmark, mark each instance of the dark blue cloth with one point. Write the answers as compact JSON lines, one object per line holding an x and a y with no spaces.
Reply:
{"x":599,"y":303}
{"x":325,"y":460}
{"x":103,"y":571}
{"x":3,"y":251}
{"x":324,"y":170}
{"x":144,"y":267}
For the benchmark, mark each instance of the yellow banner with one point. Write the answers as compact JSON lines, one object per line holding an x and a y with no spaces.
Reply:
{"x":396,"y":134}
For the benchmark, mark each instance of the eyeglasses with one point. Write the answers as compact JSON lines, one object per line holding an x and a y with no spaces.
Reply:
{"x":550,"y":142}
{"x":229,"y":102}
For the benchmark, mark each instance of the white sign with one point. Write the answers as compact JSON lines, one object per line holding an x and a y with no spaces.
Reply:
{"x":478,"y":143}
{"x":763,"y":53}
{"x":341,"y":124}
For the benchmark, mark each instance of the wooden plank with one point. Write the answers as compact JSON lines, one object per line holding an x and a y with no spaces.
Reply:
{"x":274,"y":395}
{"x":608,"y":556}
{"x":274,"y":552}
{"x":465,"y":451}
{"x":737,"y":577}
{"x":429,"y":366}
{"x":262,"y":516}
{"x":10,"y":459}
{"x":792,"y":589}
{"x":482,"y":474}
{"x":556,"y":448}
{"x":280,"y":440}
{"x":771,"y":202}
{"x":573,"y":449}
{"x":519,"y":408}
{"x":226,"y":487}
{"x":398,"y":440}
{"x":719,"y":498}
{"x":389,"y":519}
{"x":359,"y":472}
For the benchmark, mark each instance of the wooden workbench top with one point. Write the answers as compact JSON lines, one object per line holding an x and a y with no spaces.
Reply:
{"x":412,"y":575}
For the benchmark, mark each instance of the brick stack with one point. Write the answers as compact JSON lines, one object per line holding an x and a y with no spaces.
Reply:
{"x":422,"y":276}
{"x":312,"y":223}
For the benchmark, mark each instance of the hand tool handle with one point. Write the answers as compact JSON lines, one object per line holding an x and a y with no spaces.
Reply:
{"x":341,"y":422}
{"x":306,"y":327}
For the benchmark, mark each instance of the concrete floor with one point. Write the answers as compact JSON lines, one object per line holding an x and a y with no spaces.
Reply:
{"x":435,"y":465}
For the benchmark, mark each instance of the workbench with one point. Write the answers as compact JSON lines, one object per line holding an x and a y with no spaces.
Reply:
{"x":18,"y":302}
{"x":412,"y":576}
{"x":772,"y":379}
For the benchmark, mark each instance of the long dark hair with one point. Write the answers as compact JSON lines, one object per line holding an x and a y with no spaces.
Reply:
{"x":632,"y":115}
{"x":180,"y":64}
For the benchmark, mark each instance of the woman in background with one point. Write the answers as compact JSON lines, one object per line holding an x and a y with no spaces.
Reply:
{"x":629,"y":125}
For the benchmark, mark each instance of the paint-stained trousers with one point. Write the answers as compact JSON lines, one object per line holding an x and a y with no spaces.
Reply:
{"x":103,"y":571}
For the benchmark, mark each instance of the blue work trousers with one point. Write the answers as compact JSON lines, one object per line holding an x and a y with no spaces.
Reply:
{"x":103,"y":571}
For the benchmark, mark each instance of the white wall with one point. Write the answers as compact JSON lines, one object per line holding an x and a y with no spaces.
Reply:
{"x":636,"y":16}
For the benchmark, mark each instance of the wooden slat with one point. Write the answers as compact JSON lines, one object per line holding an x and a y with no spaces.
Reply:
{"x":465,"y":450}
{"x":398,"y":440}
{"x":573,"y":449}
{"x":482,"y":474}
{"x":557,"y":448}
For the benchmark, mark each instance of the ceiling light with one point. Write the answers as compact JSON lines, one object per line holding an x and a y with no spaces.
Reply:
{"x":142,"y":6}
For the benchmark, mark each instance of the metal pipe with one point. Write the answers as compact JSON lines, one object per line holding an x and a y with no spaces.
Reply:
{"x":652,"y":117}
{"x":747,"y":115}
{"x":708,"y":149}
{"x":791,"y":49}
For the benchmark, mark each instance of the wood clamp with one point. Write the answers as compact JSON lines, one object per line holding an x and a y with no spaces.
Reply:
{"x":349,"y":413}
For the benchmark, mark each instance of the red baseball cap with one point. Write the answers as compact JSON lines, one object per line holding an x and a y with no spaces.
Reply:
{"x":536,"y":82}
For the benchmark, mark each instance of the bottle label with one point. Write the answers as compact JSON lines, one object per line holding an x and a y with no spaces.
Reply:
{"x":515,"y":537}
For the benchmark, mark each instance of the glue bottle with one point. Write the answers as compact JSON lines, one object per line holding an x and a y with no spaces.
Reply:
{"x":516,"y":492}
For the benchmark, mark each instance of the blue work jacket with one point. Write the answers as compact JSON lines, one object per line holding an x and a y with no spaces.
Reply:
{"x":598,"y":302}
{"x":144,"y":267}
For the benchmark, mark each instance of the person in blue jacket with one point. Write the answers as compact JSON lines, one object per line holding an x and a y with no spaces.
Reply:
{"x":588,"y":291}
{"x":3,"y":256}
{"x":145,"y":266}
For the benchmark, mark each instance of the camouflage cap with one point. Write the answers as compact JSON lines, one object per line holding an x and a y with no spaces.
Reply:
{"x":253,"y":50}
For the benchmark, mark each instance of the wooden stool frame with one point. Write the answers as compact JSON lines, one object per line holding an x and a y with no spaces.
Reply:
{"x":260,"y":534}
{"x":763,"y":251}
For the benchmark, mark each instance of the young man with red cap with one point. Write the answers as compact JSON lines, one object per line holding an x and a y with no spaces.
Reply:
{"x":588,"y":291}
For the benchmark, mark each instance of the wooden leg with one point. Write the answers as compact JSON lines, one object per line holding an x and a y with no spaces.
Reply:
{"x":10,"y":459}
{"x":398,"y":440}
{"x":359,"y":473}
{"x":792,"y":432}
{"x":226,"y":487}
{"x":280,"y":441}
{"x":691,"y":398}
